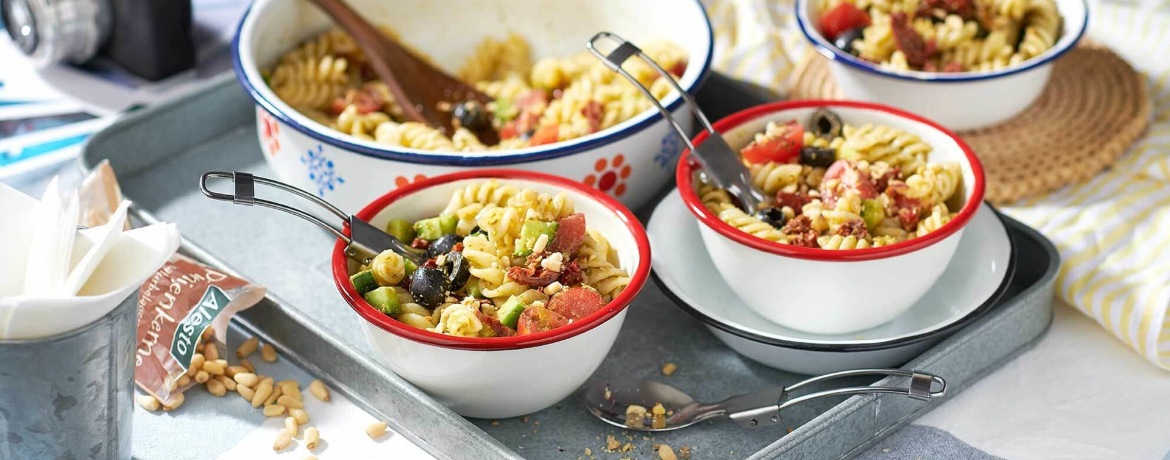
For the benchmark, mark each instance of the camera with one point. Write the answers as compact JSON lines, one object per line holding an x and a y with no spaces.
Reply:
{"x":149,"y":38}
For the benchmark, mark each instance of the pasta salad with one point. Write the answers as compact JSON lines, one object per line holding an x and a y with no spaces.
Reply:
{"x":942,"y":35}
{"x":502,"y":261}
{"x":534,"y":103}
{"x":839,"y":186}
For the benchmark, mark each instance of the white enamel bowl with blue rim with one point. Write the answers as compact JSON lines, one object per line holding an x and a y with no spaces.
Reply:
{"x":976,"y":278}
{"x":630,"y":161}
{"x":959,"y":101}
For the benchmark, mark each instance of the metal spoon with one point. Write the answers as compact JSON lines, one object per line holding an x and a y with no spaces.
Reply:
{"x":719,"y":161}
{"x":364,"y":241}
{"x":610,"y":400}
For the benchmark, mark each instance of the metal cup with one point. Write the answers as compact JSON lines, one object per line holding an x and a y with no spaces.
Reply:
{"x":70,"y":395}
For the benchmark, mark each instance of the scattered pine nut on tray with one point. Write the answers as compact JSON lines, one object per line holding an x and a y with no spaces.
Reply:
{"x":263,"y":391}
{"x":274,"y":410}
{"x":175,"y":403}
{"x":288,"y":401}
{"x":247,"y":379}
{"x":268,"y":353}
{"x":319,"y":390}
{"x":216,"y":387}
{"x":247,"y":348}
{"x":290,"y":424}
{"x":312,"y":437}
{"x":376,"y":429}
{"x":147,"y":402}
{"x":300,"y":415}
{"x":282,"y":440}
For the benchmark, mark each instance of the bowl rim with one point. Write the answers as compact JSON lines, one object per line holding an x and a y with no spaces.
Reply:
{"x":837,"y":55}
{"x":849,"y":347}
{"x":686,"y":168}
{"x":555,"y":150}
{"x":373,"y":316}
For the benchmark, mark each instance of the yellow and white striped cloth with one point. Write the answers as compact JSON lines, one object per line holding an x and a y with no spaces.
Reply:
{"x":1113,"y":231}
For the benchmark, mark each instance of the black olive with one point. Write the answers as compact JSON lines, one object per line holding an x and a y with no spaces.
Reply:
{"x":817,"y":156}
{"x":458,"y":270}
{"x":442,"y":245}
{"x":428,"y":286}
{"x":845,"y":39}
{"x":772,"y":216}
{"x":826,"y":123}
{"x":471,"y":115}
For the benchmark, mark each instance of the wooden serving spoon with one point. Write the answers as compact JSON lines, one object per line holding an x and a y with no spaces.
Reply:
{"x":422,"y":91}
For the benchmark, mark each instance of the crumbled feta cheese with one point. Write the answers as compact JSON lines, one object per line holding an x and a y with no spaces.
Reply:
{"x":541,"y":243}
{"x":553,"y":262}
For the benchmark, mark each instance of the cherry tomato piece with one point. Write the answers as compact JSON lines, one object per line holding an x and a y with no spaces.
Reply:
{"x":843,"y":17}
{"x":779,"y":148}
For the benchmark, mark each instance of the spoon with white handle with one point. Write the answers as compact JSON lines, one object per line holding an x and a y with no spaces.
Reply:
{"x":612,"y":400}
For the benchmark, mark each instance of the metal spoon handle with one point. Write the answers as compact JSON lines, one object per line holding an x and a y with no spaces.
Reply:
{"x":366,"y":242}
{"x":763,"y":408}
{"x":714,"y":155}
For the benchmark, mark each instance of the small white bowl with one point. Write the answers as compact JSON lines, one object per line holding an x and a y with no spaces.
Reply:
{"x":823,"y":291}
{"x":978,"y":276}
{"x":958,"y":100}
{"x":500,"y":377}
{"x":631,"y":160}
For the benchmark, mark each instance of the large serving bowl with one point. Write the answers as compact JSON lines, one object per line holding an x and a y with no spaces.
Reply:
{"x":960,"y":100}
{"x":500,"y":377}
{"x":823,"y":291}
{"x":631,"y":160}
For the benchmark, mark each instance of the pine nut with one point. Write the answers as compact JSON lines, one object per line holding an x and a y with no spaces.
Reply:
{"x":290,"y":424}
{"x":376,"y":429}
{"x":196,"y":364}
{"x":206,"y":333}
{"x":293,"y":392}
{"x":221,"y":362}
{"x":312,"y":437}
{"x":263,"y":391}
{"x":184,"y":381}
{"x":246,"y":392}
{"x":288,"y":401}
{"x":285,"y":383}
{"x":245,"y":349}
{"x":300,"y":415}
{"x":147,"y":402}
{"x":310,"y":457}
{"x":274,"y":410}
{"x":228,"y":383}
{"x":216,"y":387}
{"x":177,"y":401}
{"x":172,"y":383}
{"x":213,"y":367}
{"x":268,"y":353}
{"x":319,"y":390}
{"x":248,"y":365}
{"x":201,"y":376}
{"x":211,"y":352}
{"x":267,"y":380}
{"x":231,"y":371}
{"x":247,"y":379}
{"x":276,"y":394}
{"x":282,"y":440}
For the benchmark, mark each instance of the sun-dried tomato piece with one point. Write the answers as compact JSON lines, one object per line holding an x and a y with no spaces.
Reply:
{"x":592,"y":111}
{"x":907,"y":209}
{"x":854,"y":228}
{"x":571,"y":274}
{"x":806,"y":239}
{"x":420,"y":243}
{"x":841,"y":176}
{"x":458,"y":247}
{"x":794,"y":200}
{"x":884,"y":181}
{"x":535,"y":276}
{"x":798,"y":224}
{"x":952,"y":66}
{"x":499,"y":328}
{"x":917,"y":50}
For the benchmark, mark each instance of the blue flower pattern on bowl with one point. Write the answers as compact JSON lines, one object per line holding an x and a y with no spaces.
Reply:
{"x":668,"y":150}
{"x":321,"y":170}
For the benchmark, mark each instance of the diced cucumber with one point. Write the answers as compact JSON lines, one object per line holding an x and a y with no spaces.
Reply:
{"x":363,"y":281}
{"x":509,"y":313}
{"x":873,"y":213}
{"x":385,"y":299}
{"x":401,"y":229}
{"x":473,"y":288}
{"x":431,"y":229}
{"x":410,"y":266}
{"x":531,"y":232}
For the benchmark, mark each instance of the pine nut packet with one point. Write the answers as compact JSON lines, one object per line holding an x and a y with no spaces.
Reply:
{"x":183,"y":311}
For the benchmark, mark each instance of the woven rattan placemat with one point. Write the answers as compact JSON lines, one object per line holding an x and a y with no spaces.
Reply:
{"x":1094,"y":108}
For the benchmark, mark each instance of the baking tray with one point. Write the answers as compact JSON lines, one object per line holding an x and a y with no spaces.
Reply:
{"x":159,"y":153}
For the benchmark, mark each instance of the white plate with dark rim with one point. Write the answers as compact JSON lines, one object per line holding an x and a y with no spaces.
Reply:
{"x":976,"y":278}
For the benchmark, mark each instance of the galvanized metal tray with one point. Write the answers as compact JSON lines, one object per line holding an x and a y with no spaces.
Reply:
{"x":160,"y":151}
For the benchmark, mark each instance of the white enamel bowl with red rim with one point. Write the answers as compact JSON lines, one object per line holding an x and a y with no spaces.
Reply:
{"x":498,"y":377}
{"x":822,"y":291}
{"x":631,"y":160}
{"x":957,"y":100}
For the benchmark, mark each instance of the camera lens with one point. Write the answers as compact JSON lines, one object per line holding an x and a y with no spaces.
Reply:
{"x":20,"y":23}
{"x":52,"y":31}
